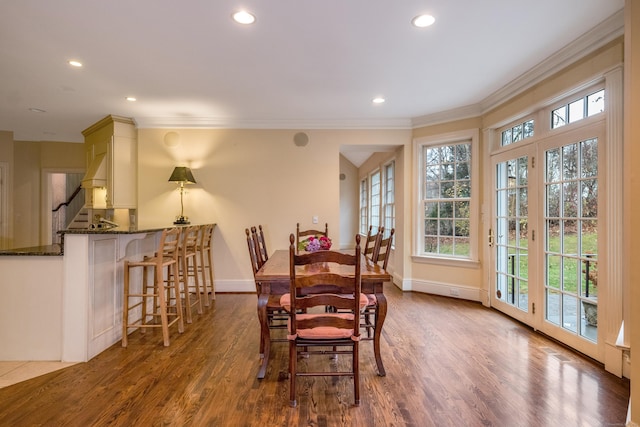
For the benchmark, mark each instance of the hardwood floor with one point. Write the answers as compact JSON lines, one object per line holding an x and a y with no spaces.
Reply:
{"x":449,"y":363}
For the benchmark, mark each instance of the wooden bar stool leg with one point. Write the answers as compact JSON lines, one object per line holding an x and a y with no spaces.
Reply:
{"x":162,"y":299}
{"x":145,"y":302}
{"x":176,"y":290}
{"x":196,"y":281}
{"x":202,"y":233}
{"x":207,"y":271}
{"x":184,"y":279}
{"x":125,"y":305}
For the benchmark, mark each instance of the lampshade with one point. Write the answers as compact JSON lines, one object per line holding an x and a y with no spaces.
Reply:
{"x":182,"y":174}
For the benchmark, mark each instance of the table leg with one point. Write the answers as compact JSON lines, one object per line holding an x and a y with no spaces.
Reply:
{"x":265,"y":338}
{"x":381,"y":314}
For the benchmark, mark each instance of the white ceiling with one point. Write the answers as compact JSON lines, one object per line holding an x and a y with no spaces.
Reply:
{"x":302,"y":65}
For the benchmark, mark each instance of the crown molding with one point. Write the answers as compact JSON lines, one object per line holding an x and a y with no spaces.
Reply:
{"x":447,"y":116}
{"x":225,"y":123}
{"x":603,"y":33}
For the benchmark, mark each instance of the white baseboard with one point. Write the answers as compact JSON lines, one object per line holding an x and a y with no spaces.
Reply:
{"x":248,"y":286}
{"x":428,"y":287}
{"x":444,"y":289}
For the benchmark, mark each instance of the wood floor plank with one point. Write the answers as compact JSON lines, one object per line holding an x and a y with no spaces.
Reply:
{"x":449,"y":363}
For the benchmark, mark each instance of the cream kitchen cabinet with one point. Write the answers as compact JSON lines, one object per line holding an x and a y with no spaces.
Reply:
{"x":111,"y":148}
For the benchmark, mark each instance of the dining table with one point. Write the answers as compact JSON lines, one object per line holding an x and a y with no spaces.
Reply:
{"x":273,"y":279}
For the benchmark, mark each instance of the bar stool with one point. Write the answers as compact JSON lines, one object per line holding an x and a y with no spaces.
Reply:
{"x":188,"y":268}
{"x":162,"y":294}
{"x":205,"y":266}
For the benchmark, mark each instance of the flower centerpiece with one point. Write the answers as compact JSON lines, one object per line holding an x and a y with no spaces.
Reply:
{"x":313,"y":244}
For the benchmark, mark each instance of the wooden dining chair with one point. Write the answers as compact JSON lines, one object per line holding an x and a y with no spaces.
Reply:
{"x":313,"y":329}
{"x":260,"y":245}
{"x":380,"y":255}
{"x":276,"y":315}
{"x":370,"y":243}
{"x":301,"y":234}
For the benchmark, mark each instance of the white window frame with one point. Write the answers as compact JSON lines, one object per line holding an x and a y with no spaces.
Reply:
{"x":375,"y":207}
{"x":363,"y":193}
{"x":388,"y":189}
{"x":419,"y":144}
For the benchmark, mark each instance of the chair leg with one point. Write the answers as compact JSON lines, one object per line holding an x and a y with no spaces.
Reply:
{"x":209,"y":267}
{"x":184,"y":278}
{"x":196,"y":282}
{"x":293,"y":360}
{"x":176,"y":290}
{"x":356,"y":374}
{"x":125,"y":305}
{"x":162,"y":300}
{"x":145,"y":314}
{"x":202,"y":269}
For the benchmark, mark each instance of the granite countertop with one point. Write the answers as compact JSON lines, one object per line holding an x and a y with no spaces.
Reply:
{"x":57,"y":250}
{"x":112,"y":230}
{"x":47,"y":250}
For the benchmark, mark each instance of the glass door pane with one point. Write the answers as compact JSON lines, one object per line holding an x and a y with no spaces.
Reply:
{"x":512,"y":233}
{"x":571,"y":237}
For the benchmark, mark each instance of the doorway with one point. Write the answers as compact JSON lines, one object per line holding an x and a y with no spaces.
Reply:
{"x":545,"y":235}
{"x":64,"y":198}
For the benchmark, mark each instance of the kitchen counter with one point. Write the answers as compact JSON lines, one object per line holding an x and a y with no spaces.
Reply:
{"x":58,"y":250}
{"x":114,"y":230}
{"x":48,"y":250}
{"x":67,"y":304}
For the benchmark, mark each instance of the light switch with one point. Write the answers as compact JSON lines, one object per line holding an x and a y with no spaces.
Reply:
{"x":314,"y":219}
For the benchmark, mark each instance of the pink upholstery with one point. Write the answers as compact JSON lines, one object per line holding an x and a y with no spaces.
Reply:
{"x":325,"y":332}
{"x":372,"y":300}
{"x":285,"y":301}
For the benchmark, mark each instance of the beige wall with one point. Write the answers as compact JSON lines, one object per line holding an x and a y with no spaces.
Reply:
{"x":245,"y":178}
{"x":6,"y":207}
{"x":349,"y":203}
{"x":26,"y":161}
{"x":631,"y":275}
{"x":428,"y":273}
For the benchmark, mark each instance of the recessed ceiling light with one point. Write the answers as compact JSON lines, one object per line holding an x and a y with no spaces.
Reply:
{"x":74,"y":63}
{"x":131,"y":98}
{"x":422,"y":21}
{"x":244,"y":17}
{"x":37,"y":110}
{"x":378,"y":100}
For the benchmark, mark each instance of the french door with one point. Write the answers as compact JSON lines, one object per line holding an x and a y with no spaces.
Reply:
{"x":544,"y":235}
{"x":512,"y":234}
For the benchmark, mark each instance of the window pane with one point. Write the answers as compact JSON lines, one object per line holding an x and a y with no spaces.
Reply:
{"x":576,"y":110}
{"x":570,"y":161}
{"x":517,"y":133}
{"x":589,"y":157}
{"x":506,"y":137}
{"x":559,"y":117}
{"x":595,"y":103}
{"x":528,"y":129}
{"x":553,"y":163}
{"x":374,"y":205}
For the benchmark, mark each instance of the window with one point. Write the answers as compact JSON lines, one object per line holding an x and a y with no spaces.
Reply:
{"x":445,"y":210}
{"x":578,"y":109}
{"x":374,"y":206}
{"x":389,"y":206}
{"x":517,"y":133}
{"x":364,"y":224}
{"x":377,"y":200}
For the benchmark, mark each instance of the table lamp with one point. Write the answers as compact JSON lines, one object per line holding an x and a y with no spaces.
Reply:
{"x":182,"y":175}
